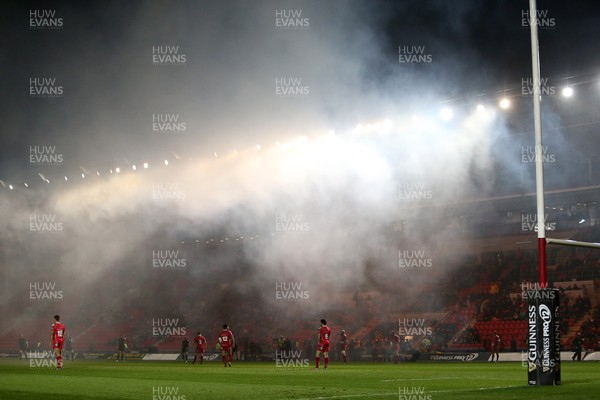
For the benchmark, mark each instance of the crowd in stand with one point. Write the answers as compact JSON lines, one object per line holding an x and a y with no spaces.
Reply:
{"x":492,"y":289}
{"x":590,"y":331}
{"x":488,"y":289}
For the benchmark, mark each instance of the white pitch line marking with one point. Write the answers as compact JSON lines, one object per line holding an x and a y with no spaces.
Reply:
{"x":348,"y":396}
{"x":422,"y":379}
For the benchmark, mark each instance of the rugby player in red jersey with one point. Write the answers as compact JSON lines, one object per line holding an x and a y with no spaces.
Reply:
{"x":344,"y":346}
{"x":226,"y":341}
{"x":323,"y":346}
{"x":57,"y":335}
{"x":200,"y":342}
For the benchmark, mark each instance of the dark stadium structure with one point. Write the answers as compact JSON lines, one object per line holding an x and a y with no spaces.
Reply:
{"x":460,"y":309}
{"x":267,"y":178}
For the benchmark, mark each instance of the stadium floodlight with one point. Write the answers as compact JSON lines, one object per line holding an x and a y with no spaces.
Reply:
{"x":480,"y":108}
{"x":134,"y":167}
{"x":66,"y":179}
{"x":43,"y":177}
{"x":145,"y":165}
{"x":166,"y":162}
{"x":446,"y":114}
{"x":10,"y":187}
{"x":258,"y":147}
{"x":215,"y":154}
{"x":504,"y":103}
{"x":118,"y":170}
{"x":567,"y":91}
{"x":82,"y":175}
{"x":26,"y":185}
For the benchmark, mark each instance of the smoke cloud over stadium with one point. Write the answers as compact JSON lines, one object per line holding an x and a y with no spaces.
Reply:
{"x":298,"y":153}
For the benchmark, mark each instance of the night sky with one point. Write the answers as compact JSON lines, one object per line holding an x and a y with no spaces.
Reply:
{"x":347,"y":55}
{"x":302,"y":146}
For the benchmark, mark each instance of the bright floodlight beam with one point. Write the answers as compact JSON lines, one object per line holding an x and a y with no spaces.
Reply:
{"x":446,"y":113}
{"x":504,"y":103}
{"x":567,"y":91}
{"x":43,"y":177}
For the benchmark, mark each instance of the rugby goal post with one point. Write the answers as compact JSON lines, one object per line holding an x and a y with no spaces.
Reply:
{"x":573,"y":243}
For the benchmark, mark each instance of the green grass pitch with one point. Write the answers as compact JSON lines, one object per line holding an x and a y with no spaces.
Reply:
{"x":147,"y":380}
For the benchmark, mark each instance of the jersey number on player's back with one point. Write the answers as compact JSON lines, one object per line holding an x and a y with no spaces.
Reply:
{"x":59,"y":333}
{"x":224,"y":338}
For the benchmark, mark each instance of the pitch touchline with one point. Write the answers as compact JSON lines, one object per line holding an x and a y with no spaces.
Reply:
{"x":444,"y":378}
{"x":476,"y":389}
{"x":347,"y":396}
{"x":421,"y":379}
